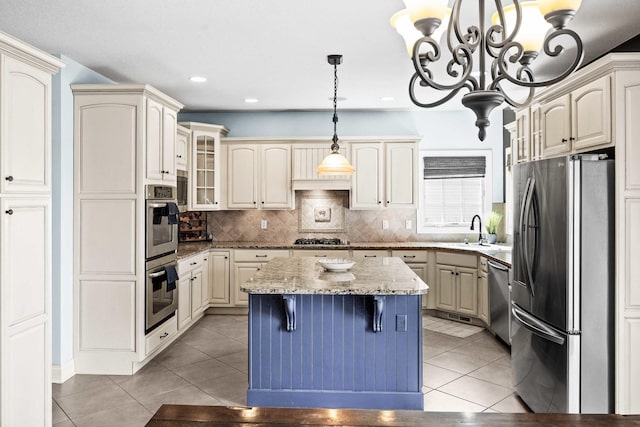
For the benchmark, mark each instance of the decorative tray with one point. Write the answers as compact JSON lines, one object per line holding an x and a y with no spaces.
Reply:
{"x":336,"y":264}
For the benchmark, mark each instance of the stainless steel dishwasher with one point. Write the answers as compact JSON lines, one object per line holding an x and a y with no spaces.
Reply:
{"x":499,"y":301}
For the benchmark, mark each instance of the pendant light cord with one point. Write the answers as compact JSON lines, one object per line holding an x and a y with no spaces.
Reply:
{"x":335,"y":147}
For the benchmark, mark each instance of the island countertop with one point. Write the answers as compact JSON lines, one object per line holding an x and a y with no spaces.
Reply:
{"x":372,"y":276}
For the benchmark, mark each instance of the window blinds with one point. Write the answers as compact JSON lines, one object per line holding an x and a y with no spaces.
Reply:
{"x":442,"y":167}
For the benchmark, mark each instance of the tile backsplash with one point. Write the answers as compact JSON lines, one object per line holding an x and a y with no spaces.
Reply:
{"x":359,"y":226}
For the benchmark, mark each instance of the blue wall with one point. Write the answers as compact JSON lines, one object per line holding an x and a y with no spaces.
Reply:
{"x":62,"y":204}
{"x":440,"y":130}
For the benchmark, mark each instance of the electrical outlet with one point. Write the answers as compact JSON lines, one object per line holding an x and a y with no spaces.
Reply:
{"x":401,"y":322}
{"x":263,"y":224}
{"x":407,"y":224}
{"x":385,"y":224}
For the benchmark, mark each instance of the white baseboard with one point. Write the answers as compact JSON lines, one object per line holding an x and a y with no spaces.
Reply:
{"x":61,"y":373}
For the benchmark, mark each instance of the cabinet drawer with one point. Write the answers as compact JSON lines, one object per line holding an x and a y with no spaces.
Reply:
{"x":252,"y":255}
{"x":482,"y":264}
{"x":187,"y":265}
{"x":163,"y":334}
{"x":411,"y":256}
{"x":462,"y":260}
{"x":322,"y":253}
{"x":364,"y":254}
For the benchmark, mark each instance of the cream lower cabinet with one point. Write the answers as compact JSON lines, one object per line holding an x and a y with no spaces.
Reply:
{"x":417,"y":261}
{"x":25,"y":302}
{"x":192,"y":289}
{"x":246,"y":263}
{"x":219,"y":279}
{"x":483,"y":291}
{"x":321,"y":253}
{"x":457,"y":283}
{"x":259,"y":176}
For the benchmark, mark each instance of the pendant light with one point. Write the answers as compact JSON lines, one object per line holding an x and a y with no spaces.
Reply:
{"x":335,"y":163}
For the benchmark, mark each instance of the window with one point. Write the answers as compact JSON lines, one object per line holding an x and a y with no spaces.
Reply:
{"x":456,"y":185}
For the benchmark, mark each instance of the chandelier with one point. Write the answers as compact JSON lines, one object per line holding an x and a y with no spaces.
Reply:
{"x":508,"y":47}
{"x":335,"y":163}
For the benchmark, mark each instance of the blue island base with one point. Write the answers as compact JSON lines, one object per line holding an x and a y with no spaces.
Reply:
{"x":336,"y":399}
{"x":335,"y":351}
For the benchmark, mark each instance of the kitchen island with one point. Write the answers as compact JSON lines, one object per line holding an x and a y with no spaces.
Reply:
{"x":349,"y":339}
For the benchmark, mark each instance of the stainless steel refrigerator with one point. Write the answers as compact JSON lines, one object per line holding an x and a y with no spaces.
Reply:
{"x":562,"y":297}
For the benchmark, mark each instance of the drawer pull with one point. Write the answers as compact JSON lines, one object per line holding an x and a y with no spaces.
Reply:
{"x":371,"y":256}
{"x":320,"y":256}
{"x":166,"y":334}
{"x":408,"y":256}
{"x":261,"y":256}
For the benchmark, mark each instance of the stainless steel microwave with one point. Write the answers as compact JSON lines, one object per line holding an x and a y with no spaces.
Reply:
{"x":182,"y":190}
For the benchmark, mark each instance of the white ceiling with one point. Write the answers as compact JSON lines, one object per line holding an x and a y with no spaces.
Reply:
{"x":273,"y":50}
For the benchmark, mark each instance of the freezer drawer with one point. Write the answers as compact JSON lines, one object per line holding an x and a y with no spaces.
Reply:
{"x":544,"y":364}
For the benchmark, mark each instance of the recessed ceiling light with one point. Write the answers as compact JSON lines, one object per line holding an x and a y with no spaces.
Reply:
{"x":198,"y":79}
{"x":251,"y":100}
{"x":387,"y":99}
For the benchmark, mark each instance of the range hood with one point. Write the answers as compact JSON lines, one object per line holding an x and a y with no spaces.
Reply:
{"x":322,"y":183}
{"x":306,"y":157}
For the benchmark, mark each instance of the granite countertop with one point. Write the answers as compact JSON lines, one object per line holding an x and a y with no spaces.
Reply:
{"x":499,"y":253}
{"x":302,"y":275}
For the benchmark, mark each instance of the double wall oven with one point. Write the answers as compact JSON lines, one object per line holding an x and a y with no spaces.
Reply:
{"x":161,"y":297}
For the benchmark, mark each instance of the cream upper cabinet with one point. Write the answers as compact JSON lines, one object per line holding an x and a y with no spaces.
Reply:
{"x":535,"y":140}
{"x":401,"y":171}
{"x":205,"y":176}
{"x":259,"y":176}
{"x":275,"y":176}
{"x":182,"y":148}
{"x":368,"y":180}
{"x":160,"y":147}
{"x":577,"y":121}
{"x":25,"y":128}
{"x":242,"y":176}
{"x":520,"y":150}
{"x":555,"y":119}
{"x":386,"y":175}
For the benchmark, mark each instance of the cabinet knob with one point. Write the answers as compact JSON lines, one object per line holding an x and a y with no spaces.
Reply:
{"x":572,"y":139}
{"x":254,"y":203}
{"x":9,"y":211}
{"x":9,"y":178}
{"x":379,"y":202}
{"x":215,"y":203}
{"x":225,"y":258}
{"x":564,"y":140}
{"x":453,"y":272}
{"x":262,"y":202}
{"x":179,"y":156}
{"x":206,"y":259}
{"x":388,"y":202}
{"x":193,"y":263}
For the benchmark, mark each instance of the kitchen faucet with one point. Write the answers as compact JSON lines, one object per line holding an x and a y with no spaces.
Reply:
{"x":480,"y":227}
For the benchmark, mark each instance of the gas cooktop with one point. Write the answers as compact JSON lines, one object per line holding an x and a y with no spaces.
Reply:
{"x":319,"y":241}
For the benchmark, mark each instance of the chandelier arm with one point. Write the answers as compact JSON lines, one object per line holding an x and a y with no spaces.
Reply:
{"x":509,"y":100}
{"x":462,"y":56}
{"x":576,"y":62}
{"x":415,"y":78}
{"x":508,"y":34}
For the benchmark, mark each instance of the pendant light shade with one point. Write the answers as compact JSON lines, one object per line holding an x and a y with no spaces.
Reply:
{"x":335,"y":163}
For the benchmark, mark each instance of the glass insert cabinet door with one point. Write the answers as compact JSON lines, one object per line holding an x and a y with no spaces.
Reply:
{"x":206,"y":171}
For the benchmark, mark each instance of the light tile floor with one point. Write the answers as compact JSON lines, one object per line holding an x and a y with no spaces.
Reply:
{"x":208,"y":366}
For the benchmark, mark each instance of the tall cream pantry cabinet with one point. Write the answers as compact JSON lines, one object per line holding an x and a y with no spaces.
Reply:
{"x":25,"y":233}
{"x":124,"y":139}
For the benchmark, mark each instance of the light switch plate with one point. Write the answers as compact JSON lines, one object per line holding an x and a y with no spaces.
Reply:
{"x":385,"y":224}
{"x":263,"y":224}
{"x":407,"y":224}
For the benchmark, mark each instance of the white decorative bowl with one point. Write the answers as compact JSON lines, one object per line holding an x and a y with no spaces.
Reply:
{"x":336,"y":264}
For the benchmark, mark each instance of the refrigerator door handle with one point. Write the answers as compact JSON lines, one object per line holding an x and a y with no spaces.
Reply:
{"x":535,"y":326}
{"x":525,"y":226}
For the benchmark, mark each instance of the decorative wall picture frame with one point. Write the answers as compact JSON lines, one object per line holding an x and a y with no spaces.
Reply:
{"x":321,"y":214}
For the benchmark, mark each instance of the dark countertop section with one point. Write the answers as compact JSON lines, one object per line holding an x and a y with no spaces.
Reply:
{"x":498,"y":253}
{"x":196,"y":416}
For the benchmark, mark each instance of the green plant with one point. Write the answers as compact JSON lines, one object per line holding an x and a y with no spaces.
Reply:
{"x":492,"y":222}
